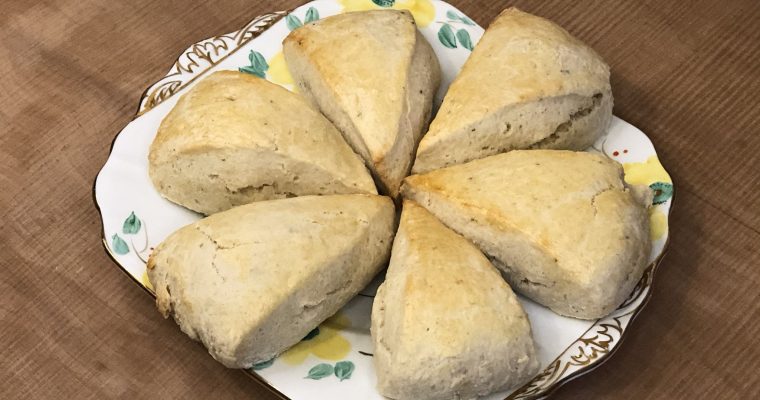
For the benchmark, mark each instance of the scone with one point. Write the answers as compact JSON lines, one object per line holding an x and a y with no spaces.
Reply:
{"x":527,"y":84}
{"x":254,"y":280}
{"x":377,"y":86}
{"x":235,"y":138}
{"x":445,"y":325}
{"x":562,"y":226}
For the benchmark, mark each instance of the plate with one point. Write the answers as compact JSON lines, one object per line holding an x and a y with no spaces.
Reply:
{"x":335,"y":360}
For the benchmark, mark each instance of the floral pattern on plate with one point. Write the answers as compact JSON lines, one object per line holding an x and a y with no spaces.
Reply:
{"x":335,"y":361}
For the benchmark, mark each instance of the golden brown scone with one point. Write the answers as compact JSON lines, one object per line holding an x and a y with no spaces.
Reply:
{"x":562,"y":226}
{"x":527,"y":84}
{"x":235,"y":138}
{"x":377,"y":86}
{"x":445,"y":325}
{"x":252,"y":281}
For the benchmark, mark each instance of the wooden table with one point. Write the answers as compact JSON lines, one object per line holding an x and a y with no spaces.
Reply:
{"x":71,"y":72}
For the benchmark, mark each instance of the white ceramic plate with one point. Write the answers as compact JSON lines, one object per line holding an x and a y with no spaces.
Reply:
{"x":335,"y":362}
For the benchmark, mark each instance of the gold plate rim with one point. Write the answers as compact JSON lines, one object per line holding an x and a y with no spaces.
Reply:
{"x":275,"y":17}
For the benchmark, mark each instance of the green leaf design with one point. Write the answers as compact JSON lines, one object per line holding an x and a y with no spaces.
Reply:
{"x":461,"y":18}
{"x":252,"y":71}
{"x":262,"y":365}
{"x":292,"y":22}
{"x":311,"y":335}
{"x":119,"y":245}
{"x":320,"y":371}
{"x":131,"y":225}
{"x":384,"y":3}
{"x":464,"y":39}
{"x":258,"y":61}
{"x":446,"y":36}
{"x":344,"y":369}
{"x":258,"y":65}
{"x":311,"y":15}
{"x":662,"y":192}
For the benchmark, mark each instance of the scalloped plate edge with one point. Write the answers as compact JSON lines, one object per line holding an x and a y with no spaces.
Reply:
{"x":200,"y":57}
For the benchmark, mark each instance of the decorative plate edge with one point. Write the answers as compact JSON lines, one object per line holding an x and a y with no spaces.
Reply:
{"x":202,"y":56}
{"x":205,"y":54}
{"x":183,"y":72}
{"x":537,"y":389}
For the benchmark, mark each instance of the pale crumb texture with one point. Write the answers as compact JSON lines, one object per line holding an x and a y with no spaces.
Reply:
{"x":235,"y":138}
{"x":562,"y":226}
{"x":377,"y":87}
{"x":527,"y":85}
{"x":254,"y":280}
{"x":445,"y":325}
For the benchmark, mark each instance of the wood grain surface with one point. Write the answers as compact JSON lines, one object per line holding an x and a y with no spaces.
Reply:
{"x":72,"y":326}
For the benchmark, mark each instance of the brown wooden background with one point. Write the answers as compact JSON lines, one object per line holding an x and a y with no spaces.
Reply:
{"x":71,"y":73}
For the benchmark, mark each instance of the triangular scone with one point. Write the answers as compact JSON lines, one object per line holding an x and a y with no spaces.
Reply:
{"x":235,"y":138}
{"x":561,"y":225}
{"x":252,"y":281}
{"x":527,"y":84}
{"x":374,"y":76}
{"x":445,"y":325}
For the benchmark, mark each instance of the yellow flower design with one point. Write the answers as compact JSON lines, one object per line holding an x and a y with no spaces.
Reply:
{"x":146,"y":281}
{"x":646,"y":173}
{"x":329,"y":344}
{"x":658,"y":223}
{"x":422,"y":10}
{"x":278,"y":71}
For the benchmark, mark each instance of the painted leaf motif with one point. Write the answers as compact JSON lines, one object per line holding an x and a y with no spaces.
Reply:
{"x":464,"y":39}
{"x":119,"y":245}
{"x":293,"y":22}
{"x":461,"y":18}
{"x":344,"y":369}
{"x":320,"y":371}
{"x":258,"y":61}
{"x":252,"y":71}
{"x":258,"y":65}
{"x":384,"y":3}
{"x":446,"y":36}
{"x":311,"y":15}
{"x":131,"y":225}
{"x":262,"y":365}
{"x":313,"y":333}
{"x":662,"y":192}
